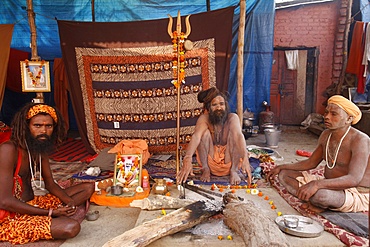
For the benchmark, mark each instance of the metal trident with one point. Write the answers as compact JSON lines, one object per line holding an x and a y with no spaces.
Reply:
{"x":178,"y":25}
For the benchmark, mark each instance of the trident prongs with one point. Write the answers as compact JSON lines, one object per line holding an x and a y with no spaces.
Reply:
{"x":178,"y":25}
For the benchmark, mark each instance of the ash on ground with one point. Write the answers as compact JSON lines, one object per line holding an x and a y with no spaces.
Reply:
{"x":213,"y":227}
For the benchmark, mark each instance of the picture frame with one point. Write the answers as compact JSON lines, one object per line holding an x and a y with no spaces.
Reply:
{"x":35,"y":76}
{"x":128,"y":170}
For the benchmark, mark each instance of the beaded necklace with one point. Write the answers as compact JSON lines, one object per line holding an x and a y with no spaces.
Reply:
{"x":336,"y":151}
{"x":33,"y":179}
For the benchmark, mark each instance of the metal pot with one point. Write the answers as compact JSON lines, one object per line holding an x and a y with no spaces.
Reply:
{"x":247,"y":122}
{"x":116,"y":190}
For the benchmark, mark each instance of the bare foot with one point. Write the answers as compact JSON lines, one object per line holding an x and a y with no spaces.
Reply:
{"x":234,"y":178}
{"x":206,"y":175}
{"x":311,"y":209}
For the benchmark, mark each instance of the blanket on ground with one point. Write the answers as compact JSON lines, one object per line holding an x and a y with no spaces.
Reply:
{"x":71,"y":150}
{"x":347,"y":237}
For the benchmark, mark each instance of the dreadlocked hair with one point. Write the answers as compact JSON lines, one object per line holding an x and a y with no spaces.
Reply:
{"x":206,"y":97}
{"x":20,"y":127}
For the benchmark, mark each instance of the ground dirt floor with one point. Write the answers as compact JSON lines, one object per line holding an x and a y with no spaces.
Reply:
{"x":114,"y":221}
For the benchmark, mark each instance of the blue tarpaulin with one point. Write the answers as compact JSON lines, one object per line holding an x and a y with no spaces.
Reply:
{"x":258,"y":48}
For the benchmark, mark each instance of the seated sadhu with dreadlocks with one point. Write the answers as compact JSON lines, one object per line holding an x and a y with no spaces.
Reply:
{"x":217,"y":140}
{"x":24,"y":216}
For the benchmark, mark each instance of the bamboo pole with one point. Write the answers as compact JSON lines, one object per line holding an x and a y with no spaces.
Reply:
{"x":32,"y":23}
{"x":240,"y":67}
{"x":178,"y":29}
{"x":34,"y":57}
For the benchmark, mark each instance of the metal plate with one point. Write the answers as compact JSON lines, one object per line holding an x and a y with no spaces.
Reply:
{"x":307,"y":228}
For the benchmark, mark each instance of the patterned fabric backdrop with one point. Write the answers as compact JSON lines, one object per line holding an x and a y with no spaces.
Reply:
{"x":119,"y":77}
{"x":129,"y":94}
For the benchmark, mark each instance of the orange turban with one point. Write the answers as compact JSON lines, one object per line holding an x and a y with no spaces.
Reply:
{"x":348,"y":106}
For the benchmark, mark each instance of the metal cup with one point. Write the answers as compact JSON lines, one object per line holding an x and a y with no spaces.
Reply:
{"x":116,"y":190}
{"x":291,"y":221}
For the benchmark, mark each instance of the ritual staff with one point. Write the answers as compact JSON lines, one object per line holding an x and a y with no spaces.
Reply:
{"x":24,"y":216}
{"x":346,"y":152}
{"x":218,"y":142}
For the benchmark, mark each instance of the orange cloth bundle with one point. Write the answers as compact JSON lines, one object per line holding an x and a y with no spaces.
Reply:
{"x":105,"y":199}
{"x":136,"y":146}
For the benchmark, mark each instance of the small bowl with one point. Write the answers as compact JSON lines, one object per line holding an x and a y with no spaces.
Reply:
{"x":116,"y":190}
{"x":92,"y":215}
{"x":291,"y":221}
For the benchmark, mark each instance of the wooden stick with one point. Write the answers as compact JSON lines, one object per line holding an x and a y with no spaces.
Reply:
{"x":178,"y":30}
{"x":176,"y":221}
{"x":159,"y":202}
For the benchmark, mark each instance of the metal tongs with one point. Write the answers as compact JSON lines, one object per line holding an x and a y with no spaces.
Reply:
{"x":205,"y":192}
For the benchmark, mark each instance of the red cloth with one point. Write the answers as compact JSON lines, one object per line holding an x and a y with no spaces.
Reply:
{"x":4,"y":136}
{"x":5,"y":132}
{"x":14,"y":77}
{"x":61,"y":89}
{"x":354,"y":64}
{"x":303,"y":153}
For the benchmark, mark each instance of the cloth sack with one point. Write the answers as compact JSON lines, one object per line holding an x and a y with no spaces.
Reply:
{"x":136,"y":146}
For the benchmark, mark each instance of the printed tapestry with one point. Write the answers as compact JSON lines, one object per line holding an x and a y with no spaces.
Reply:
{"x":129,"y":95}
{"x":120,"y":75}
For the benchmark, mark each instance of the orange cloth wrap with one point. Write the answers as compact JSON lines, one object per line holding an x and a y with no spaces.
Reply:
{"x":217,"y":163}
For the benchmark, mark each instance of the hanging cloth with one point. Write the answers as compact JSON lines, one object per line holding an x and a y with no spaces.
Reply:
{"x":366,"y":56}
{"x":292,"y":59}
{"x":354,"y":64}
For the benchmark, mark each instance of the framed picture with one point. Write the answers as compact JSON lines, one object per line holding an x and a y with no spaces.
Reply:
{"x":35,"y":76}
{"x":127,"y":170}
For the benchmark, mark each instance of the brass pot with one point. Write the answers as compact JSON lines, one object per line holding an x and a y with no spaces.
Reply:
{"x":160,"y":187}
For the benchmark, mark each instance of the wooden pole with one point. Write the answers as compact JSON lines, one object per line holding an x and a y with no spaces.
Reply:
{"x":93,"y":10}
{"x":240,"y":67}
{"x":34,"y":57}
{"x":31,"y":22}
{"x":178,"y":30}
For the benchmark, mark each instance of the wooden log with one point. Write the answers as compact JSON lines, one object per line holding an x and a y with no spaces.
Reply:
{"x":251,"y":224}
{"x":159,"y":202}
{"x":179,"y":220}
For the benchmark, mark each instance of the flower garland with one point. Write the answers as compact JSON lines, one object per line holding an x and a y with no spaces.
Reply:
{"x":178,"y":60}
{"x":34,"y":78}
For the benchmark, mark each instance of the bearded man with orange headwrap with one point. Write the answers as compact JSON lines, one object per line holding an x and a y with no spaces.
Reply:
{"x":346,"y":152}
{"x":218,"y":141}
{"x":30,"y":211}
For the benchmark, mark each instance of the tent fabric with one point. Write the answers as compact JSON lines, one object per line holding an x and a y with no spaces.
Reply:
{"x":120,"y":49}
{"x":258,"y":56}
{"x":258,"y":47}
{"x":61,"y":89}
{"x":6,"y":32}
{"x":13,"y":77}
